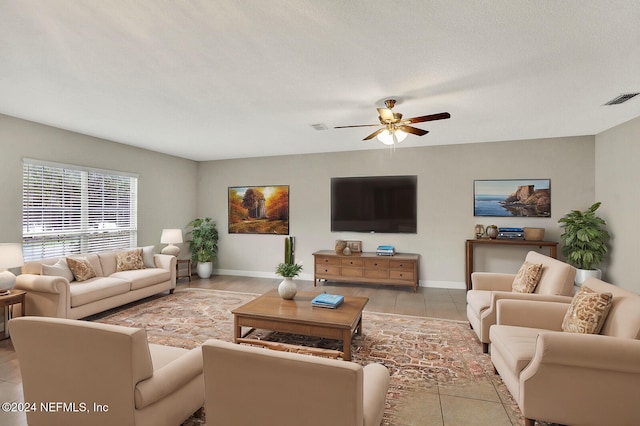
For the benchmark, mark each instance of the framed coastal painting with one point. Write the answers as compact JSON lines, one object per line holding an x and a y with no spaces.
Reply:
{"x":512,"y":198}
{"x":259,"y":210}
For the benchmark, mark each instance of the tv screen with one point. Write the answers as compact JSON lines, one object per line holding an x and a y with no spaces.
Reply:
{"x":386,"y":204}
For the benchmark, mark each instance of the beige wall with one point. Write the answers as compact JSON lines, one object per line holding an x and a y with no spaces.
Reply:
{"x":617,"y":177}
{"x":445,"y":201}
{"x":167,"y":196}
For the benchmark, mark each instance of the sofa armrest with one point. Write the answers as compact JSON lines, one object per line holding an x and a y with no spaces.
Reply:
{"x":165,"y":261}
{"x":375,"y":386}
{"x":169,"y":378}
{"x":47,"y":295}
{"x":491,"y":281}
{"x":533,"y":314}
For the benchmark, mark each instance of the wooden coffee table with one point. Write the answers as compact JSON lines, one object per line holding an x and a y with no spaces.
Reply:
{"x":297,"y":316}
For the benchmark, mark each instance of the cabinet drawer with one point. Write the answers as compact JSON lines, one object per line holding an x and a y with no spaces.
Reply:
{"x":326,"y":260}
{"x":327,"y":270}
{"x":376,"y":273}
{"x":376,"y":263}
{"x":351,"y":272}
{"x":401,"y":264}
{"x":351,"y":262}
{"x":401,"y":275}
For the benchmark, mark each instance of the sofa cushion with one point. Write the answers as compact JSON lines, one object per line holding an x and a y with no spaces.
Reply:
{"x":129,"y":260}
{"x":81,"y":268}
{"x":95,"y":289}
{"x":59,"y":269}
{"x":587,"y":312}
{"x":141,"y":278}
{"x":527,"y":278}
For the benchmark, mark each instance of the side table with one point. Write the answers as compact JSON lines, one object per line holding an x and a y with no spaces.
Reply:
{"x":187,"y":273}
{"x":14,"y":297}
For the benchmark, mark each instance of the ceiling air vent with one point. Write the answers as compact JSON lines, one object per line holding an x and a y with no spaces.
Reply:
{"x":319,"y":126}
{"x":622,"y":98}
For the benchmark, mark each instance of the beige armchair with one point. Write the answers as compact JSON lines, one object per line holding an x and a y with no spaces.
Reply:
{"x":84,"y":373}
{"x":570,"y":378}
{"x":246,"y":385}
{"x":555,"y":285}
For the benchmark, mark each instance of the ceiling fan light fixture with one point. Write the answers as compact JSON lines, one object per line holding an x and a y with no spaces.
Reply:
{"x":386,"y":136}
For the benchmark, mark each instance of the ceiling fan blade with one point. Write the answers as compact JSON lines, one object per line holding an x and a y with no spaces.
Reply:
{"x":386,"y":115}
{"x":358,"y":125}
{"x":413,"y":130}
{"x":374,"y":134}
{"x":432,"y":117}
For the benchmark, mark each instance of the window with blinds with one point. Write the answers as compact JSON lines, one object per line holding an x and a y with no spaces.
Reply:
{"x":70,"y":210}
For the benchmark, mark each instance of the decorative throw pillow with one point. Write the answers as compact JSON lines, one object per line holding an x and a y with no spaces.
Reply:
{"x":129,"y":260}
{"x":81,"y":268}
{"x":148,"y":256}
{"x":527,"y":278}
{"x":587,"y":311}
{"x":59,"y":269}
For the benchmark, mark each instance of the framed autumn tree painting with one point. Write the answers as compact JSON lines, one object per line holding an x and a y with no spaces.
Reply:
{"x":259,"y":210}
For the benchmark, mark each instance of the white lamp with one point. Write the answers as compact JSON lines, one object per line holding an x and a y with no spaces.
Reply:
{"x":171,"y":237}
{"x":10,"y":257}
{"x":386,"y":136}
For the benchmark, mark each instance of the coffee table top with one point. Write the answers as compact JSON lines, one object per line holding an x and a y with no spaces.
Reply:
{"x":299,"y":310}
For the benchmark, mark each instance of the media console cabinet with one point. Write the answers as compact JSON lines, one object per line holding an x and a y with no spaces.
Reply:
{"x":400,"y":269}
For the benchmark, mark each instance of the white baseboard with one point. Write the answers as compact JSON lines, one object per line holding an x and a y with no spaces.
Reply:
{"x":309,"y":277}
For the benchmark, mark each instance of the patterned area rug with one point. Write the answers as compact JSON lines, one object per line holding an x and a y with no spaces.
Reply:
{"x":424,"y":355}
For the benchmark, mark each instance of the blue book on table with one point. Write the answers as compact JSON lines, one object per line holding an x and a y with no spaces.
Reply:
{"x":325,"y":300}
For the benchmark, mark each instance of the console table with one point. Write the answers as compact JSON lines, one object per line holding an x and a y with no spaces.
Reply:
{"x":400,"y":269}
{"x":470,"y":244}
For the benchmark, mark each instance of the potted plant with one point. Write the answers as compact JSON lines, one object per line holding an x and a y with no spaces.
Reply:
{"x":203,"y":245}
{"x":288,"y":270}
{"x":585,"y":241}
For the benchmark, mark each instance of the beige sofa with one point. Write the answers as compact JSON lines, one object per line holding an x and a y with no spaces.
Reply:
{"x":571,"y":378}
{"x":64,"y":297}
{"x":103,"y":374}
{"x":245,"y":385}
{"x":555,"y":285}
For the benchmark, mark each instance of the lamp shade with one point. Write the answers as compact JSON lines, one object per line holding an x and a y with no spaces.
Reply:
{"x":171,"y":236}
{"x":11,"y":255}
{"x":386,"y":136}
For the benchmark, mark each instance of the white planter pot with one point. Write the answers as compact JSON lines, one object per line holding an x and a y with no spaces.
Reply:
{"x":287,"y":288}
{"x":204,"y":269}
{"x":583,"y":274}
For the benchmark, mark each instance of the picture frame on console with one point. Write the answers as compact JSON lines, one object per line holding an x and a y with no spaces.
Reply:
{"x":512,"y":198}
{"x":258,"y":209}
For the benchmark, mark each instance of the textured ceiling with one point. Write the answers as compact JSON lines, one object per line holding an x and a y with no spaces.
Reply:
{"x":218,"y":79}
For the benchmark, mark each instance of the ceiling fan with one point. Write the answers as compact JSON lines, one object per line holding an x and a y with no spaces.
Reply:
{"x":396,"y":129}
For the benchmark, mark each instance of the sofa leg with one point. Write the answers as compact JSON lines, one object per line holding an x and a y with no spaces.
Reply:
{"x":470,"y":326}
{"x":529,"y":422}
{"x":172,"y":290}
{"x":485,"y":348}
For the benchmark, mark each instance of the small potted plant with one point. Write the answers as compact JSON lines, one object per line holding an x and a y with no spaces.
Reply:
{"x":585,"y":241}
{"x":203,"y":245}
{"x":288,"y":288}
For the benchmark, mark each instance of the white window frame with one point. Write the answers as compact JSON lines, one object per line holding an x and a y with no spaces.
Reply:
{"x":69,"y":209}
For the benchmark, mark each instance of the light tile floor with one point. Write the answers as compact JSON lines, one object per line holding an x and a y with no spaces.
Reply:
{"x":477,"y":405}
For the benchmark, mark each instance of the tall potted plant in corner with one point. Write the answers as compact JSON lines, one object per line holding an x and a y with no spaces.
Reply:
{"x":585,"y":241}
{"x":203,"y":245}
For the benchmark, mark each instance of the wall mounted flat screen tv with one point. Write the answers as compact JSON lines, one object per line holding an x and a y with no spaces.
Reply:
{"x":386,"y":204}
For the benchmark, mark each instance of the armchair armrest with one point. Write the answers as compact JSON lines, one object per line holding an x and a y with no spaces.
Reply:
{"x":491,"y":281}
{"x":375,"y":386}
{"x":525,"y":313}
{"x":168,"y":378}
